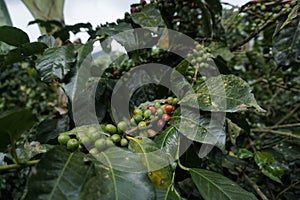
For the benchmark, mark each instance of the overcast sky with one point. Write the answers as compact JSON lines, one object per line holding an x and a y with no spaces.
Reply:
{"x":75,"y":11}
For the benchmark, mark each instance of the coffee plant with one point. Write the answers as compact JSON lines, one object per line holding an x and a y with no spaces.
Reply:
{"x":199,"y":100}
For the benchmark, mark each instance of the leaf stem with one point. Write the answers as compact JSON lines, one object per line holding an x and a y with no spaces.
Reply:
{"x":14,"y":167}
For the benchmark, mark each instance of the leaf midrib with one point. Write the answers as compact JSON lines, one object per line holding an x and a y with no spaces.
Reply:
{"x":220,"y":188}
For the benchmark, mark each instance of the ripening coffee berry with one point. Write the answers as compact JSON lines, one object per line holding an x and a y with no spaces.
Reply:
{"x":152,"y":109}
{"x":72,"y":144}
{"x":175,"y":101}
{"x":111,"y":128}
{"x":166,"y":117}
{"x":63,"y":139}
{"x":161,"y":123}
{"x":157,"y":105}
{"x":168,"y":108}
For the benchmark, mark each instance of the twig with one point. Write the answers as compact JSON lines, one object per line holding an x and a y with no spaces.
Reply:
{"x":265,"y":130}
{"x":253,"y":185}
{"x":286,"y":189}
{"x":257,"y":31}
{"x":289,"y":114}
{"x":284,"y":126}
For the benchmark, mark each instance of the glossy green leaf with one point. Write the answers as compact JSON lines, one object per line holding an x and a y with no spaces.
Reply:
{"x":149,"y":16}
{"x":13,"y":36}
{"x":168,"y":141}
{"x":50,"y":129}
{"x":155,"y":159}
{"x":41,"y":9}
{"x":118,"y":185}
{"x":56,"y":62}
{"x":122,"y":160}
{"x":201,"y":130}
{"x":13,"y":124}
{"x":224,"y":93}
{"x":268,"y":166}
{"x":286,"y":41}
{"x":4,"y":14}
{"x":244,"y":153}
{"x":213,"y":186}
{"x":59,"y":175}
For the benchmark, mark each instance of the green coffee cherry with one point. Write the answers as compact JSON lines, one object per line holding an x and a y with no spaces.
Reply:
{"x":111,"y":128}
{"x":137,"y":111}
{"x":124,"y":142}
{"x":175,"y":101}
{"x":94,"y":151}
{"x":147,"y":113}
{"x":142,"y":125}
{"x":100,"y":143}
{"x":170,"y":100}
{"x":122,"y":126}
{"x":72,"y":144}
{"x":138,"y":118}
{"x":63,"y":139}
{"x":115,"y":138}
{"x":93,"y":136}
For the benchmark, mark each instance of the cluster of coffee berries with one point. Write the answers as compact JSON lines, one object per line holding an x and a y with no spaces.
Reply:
{"x":146,"y":121}
{"x":149,"y":119}
{"x":200,"y":60}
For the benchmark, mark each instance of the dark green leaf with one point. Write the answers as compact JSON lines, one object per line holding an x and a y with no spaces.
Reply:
{"x":286,"y":41}
{"x":269,"y":166}
{"x":215,"y":6}
{"x":264,"y":158}
{"x":13,"y":124}
{"x":13,"y":36}
{"x":84,"y":51}
{"x":113,"y":184}
{"x":155,"y":159}
{"x":50,"y":129}
{"x":59,"y":175}
{"x":215,"y":186}
{"x":200,"y":130}
{"x":20,"y":53}
{"x":224,"y":93}
{"x":4,"y":14}
{"x":149,"y":16}
{"x":168,"y":142}
{"x":56,"y":62}
{"x":121,"y":159}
